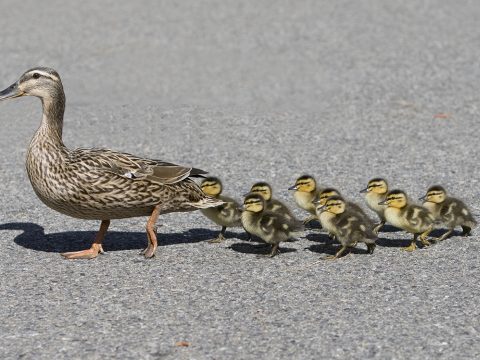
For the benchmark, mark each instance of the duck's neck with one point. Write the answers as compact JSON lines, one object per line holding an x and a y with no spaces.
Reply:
{"x":51,"y":128}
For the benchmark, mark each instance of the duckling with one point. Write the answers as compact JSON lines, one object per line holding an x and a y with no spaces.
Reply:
{"x":226,"y":215}
{"x":306,"y":192}
{"x":270,"y":227}
{"x":449,"y":211}
{"x":375,"y":192}
{"x":99,"y":184}
{"x":409,"y":217}
{"x":348,"y":226}
{"x":329,"y":192}
{"x":272,"y":205}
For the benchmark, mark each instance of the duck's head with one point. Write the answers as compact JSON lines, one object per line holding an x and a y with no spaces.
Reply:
{"x":253,"y":203}
{"x":211,"y":186}
{"x":377,"y":185}
{"x":396,"y":199}
{"x":262,"y":188}
{"x":325,"y":194}
{"x":334,"y":204}
{"x":435,"y":194}
{"x":41,"y":82}
{"x":305,"y":183}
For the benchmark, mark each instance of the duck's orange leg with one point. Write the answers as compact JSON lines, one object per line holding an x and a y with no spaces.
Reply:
{"x":96,"y":246}
{"x":149,"y":252}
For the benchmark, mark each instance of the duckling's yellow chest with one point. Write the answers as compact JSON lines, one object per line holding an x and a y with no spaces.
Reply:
{"x":327,"y":220}
{"x":433,"y":208}
{"x":250,"y":223}
{"x":304,"y":200}
{"x":372,"y":201}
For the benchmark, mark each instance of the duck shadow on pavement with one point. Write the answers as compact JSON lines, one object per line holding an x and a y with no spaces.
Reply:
{"x":258,"y":248}
{"x":33,"y":237}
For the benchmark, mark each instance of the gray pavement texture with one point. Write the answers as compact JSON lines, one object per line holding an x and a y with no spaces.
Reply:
{"x":344,"y":90}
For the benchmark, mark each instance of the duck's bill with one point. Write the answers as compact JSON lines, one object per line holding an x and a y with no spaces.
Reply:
{"x":294,"y":187}
{"x":423,"y":197}
{"x":384,"y":202}
{"x":11,"y":92}
{"x":364,"y":190}
{"x":321,"y":208}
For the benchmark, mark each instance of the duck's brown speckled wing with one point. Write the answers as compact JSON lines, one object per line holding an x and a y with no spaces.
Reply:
{"x":131,"y":166}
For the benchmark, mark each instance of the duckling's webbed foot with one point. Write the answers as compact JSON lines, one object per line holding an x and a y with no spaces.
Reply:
{"x":466,"y":230}
{"x":371,"y":248}
{"x":96,"y":246}
{"x":149,"y":252}
{"x":220,"y":237}
{"x":275,"y":250}
{"x":377,"y":227}
{"x":309,"y":219}
{"x":338,"y":254}
{"x":423,"y":236}
{"x":411,"y":247}
{"x":444,"y":236}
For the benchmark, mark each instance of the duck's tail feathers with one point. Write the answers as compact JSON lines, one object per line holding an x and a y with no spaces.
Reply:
{"x":207,"y":202}
{"x":197,"y":173}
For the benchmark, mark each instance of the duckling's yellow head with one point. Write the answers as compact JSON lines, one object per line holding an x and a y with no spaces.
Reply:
{"x":334,"y":204}
{"x":325,"y":194}
{"x":211,"y":186}
{"x":435,"y":194}
{"x":377,"y":185}
{"x":254,"y":203}
{"x":263,"y":189}
{"x":305,"y":183}
{"x":40,"y":82}
{"x":396,"y":199}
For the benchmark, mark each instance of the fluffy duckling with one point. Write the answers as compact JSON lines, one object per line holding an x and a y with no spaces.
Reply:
{"x":272,"y":205}
{"x":375,"y":192}
{"x":449,"y":211}
{"x":226,"y":215}
{"x":305,"y":194}
{"x":347,"y":225}
{"x":329,"y":192}
{"x":409,"y":217}
{"x":270,"y":227}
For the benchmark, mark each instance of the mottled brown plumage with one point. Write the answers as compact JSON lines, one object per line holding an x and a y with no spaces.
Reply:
{"x":99,"y":184}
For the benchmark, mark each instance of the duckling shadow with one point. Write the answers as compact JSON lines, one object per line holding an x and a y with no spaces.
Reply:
{"x":331,"y":249}
{"x":320,"y":238}
{"x":262,"y":248}
{"x":33,"y":237}
{"x":389,"y":228}
{"x":384,"y":242}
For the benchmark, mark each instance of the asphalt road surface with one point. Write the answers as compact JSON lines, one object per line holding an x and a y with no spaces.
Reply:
{"x":249,"y":91}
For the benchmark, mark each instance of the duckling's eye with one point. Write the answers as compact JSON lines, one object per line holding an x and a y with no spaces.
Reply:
{"x":36,"y":75}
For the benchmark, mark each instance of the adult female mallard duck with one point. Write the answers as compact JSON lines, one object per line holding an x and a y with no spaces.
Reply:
{"x":99,"y":184}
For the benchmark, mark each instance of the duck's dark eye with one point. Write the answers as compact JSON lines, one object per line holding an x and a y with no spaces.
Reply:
{"x":36,"y":75}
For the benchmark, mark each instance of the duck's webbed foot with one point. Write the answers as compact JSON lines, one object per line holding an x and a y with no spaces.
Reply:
{"x":151,"y":228}
{"x":220,"y":238}
{"x":96,"y":247}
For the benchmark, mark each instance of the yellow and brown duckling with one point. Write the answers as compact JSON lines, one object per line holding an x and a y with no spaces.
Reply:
{"x":448,"y":211}
{"x":271,"y":204}
{"x":329,"y":192}
{"x":376,"y":192}
{"x":305,"y":193}
{"x":270,"y":227}
{"x":412,"y":218}
{"x":99,"y":184}
{"x":226,"y":215}
{"x":347,"y":225}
